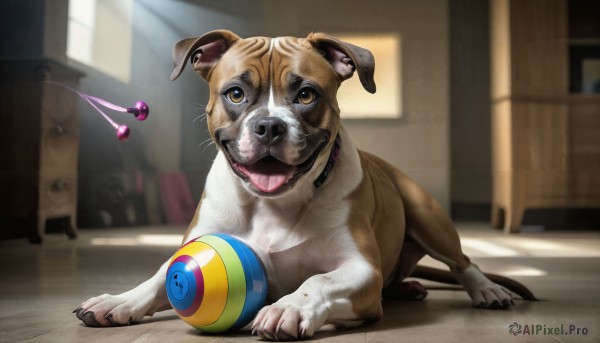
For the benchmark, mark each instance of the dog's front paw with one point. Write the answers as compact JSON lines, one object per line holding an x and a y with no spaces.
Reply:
{"x":284,"y":321}
{"x":108,"y":310}
{"x":491,"y":296}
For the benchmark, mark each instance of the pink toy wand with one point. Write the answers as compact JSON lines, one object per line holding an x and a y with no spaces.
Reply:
{"x":140,"y":111}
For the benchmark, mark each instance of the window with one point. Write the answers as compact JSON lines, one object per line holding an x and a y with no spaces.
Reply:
{"x":386,"y":103}
{"x":99,"y":35}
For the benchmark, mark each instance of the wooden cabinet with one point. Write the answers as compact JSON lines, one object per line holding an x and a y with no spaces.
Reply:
{"x":545,"y":141}
{"x":39,"y":138}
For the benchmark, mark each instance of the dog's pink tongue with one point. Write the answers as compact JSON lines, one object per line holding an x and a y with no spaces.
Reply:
{"x":269,"y":175}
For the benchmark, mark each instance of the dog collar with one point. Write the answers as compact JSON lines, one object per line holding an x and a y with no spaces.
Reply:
{"x":330,"y":163}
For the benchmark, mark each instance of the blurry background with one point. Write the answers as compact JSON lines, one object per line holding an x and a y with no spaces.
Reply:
{"x":493,"y":107}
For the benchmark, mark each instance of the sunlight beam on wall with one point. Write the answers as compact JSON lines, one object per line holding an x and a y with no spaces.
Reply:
{"x":386,"y":103}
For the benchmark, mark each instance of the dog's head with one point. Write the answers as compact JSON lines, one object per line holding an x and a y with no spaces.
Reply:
{"x":273,"y":110}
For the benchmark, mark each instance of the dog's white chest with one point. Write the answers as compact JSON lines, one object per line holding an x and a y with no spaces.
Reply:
{"x":289,"y":253}
{"x":288,"y":269}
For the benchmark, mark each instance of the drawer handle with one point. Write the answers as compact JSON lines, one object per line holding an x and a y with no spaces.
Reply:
{"x":58,"y":130}
{"x":59,"y":186}
{"x":59,"y":192}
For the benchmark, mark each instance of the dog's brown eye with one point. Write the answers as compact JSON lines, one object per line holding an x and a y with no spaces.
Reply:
{"x":306,"y":96}
{"x":235,"y":95}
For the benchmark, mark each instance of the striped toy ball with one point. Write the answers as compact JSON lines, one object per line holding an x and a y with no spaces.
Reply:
{"x":216,"y":283}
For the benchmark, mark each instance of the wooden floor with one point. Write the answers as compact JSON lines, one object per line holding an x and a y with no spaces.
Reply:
{"x":40,"y":285}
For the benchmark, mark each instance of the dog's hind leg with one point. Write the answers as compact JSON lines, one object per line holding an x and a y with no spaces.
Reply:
{"x":399,"y":289}
{"x":429,"y":226}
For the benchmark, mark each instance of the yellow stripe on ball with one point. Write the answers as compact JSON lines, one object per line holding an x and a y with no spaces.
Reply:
{"x":215,"y":284}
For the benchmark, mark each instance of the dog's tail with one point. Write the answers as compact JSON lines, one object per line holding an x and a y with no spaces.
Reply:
{"x":438,"y":275}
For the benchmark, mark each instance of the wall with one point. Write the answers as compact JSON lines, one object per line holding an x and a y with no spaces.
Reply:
{"x":174,"y":140}
{"x":470,"y":108}
{"x":171,"y":139}
{"x":33,"y":29}
{"x":418,"y":143}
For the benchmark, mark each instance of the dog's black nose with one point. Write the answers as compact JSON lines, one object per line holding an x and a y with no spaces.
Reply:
{"x":268,"y":129}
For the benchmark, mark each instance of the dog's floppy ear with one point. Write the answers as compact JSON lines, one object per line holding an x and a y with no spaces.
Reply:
{"x":345,"y":58}
{"x":203,"y":52}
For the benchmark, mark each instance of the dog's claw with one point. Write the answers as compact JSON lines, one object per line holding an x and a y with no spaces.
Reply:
{"x":268,"y":335}
{"x":80,"y":313}
{"x":89,"y":319}
{"x":284,"y":336}
{"x":76,"y":310}
{"x":507,"y":303}
{"x":109,"y":317}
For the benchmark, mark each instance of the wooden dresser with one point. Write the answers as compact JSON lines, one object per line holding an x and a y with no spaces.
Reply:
{"x":39,"y":135}
{"x":545,"y":140}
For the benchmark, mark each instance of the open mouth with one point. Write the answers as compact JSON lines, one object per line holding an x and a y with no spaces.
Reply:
{"x":269,"y":174}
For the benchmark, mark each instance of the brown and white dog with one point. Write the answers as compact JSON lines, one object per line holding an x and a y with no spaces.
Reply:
{"x":333,"y":225}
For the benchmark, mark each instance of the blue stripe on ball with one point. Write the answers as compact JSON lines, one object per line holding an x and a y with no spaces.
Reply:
{"x":176,"y":286}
